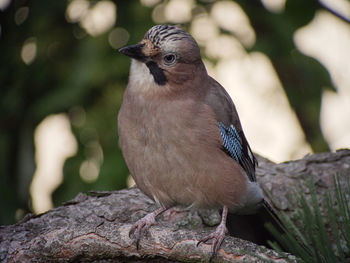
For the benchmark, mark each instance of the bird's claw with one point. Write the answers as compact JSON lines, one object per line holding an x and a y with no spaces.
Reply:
{"x":141,"y":226}
{"x":218,"y":236}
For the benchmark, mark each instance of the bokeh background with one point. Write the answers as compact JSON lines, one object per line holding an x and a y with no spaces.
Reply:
{"x":284,"y":62}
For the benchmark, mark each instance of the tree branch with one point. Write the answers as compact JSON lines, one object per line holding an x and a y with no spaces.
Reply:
{"x":335,"y":13}
{"x":95,"y":227}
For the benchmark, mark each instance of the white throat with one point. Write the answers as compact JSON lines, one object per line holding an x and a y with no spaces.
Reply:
{"x":140,"y":76}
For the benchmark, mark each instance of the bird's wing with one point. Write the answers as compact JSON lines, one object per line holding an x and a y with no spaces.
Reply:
{"x":235,"y":143}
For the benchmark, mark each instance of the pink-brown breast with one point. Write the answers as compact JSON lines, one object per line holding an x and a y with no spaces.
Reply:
{"x":173,"y":149}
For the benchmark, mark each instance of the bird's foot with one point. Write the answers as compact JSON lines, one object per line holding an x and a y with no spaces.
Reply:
{"x":144,"y":224}
{"x":218,"y":236}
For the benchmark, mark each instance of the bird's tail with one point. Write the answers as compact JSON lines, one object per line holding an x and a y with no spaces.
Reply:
{"x":252,"y":227}
{"x":276,"y":221}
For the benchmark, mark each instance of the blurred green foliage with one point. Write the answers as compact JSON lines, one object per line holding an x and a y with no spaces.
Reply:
{"x":67,"y":72}
{"x":73,"y":70}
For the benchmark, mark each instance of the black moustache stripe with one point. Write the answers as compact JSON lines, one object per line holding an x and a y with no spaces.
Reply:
{"x":157,"y":72}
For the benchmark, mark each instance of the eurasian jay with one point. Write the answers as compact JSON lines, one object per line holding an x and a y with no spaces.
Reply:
{"x":180,"y":133}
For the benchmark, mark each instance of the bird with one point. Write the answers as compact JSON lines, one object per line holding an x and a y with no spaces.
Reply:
{"x":181,"y":136}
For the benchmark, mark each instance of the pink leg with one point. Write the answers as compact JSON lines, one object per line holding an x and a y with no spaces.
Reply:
{"x":144,"y":224}
{"x":218,"y":235}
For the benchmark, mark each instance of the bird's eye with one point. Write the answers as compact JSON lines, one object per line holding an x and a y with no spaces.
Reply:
{"x":169,"y":59}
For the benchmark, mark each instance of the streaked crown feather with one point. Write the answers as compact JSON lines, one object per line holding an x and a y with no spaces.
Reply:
{"x":172,"y":37}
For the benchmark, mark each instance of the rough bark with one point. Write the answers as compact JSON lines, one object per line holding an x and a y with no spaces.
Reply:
{"x":95,"y":227}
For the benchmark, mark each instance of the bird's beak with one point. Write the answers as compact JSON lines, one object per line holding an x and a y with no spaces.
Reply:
{"x":134,"y":51}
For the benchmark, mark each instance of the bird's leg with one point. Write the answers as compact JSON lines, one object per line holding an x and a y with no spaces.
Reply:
{"x":144,"y":224}
{"x":218,"y":235}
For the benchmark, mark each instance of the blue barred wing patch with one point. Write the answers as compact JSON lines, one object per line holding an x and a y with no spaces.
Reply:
{"x":237,"y":148}
{"x":231,"y":141}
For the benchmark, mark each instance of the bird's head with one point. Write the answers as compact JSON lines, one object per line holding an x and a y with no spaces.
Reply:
{"x":170,"y":54}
